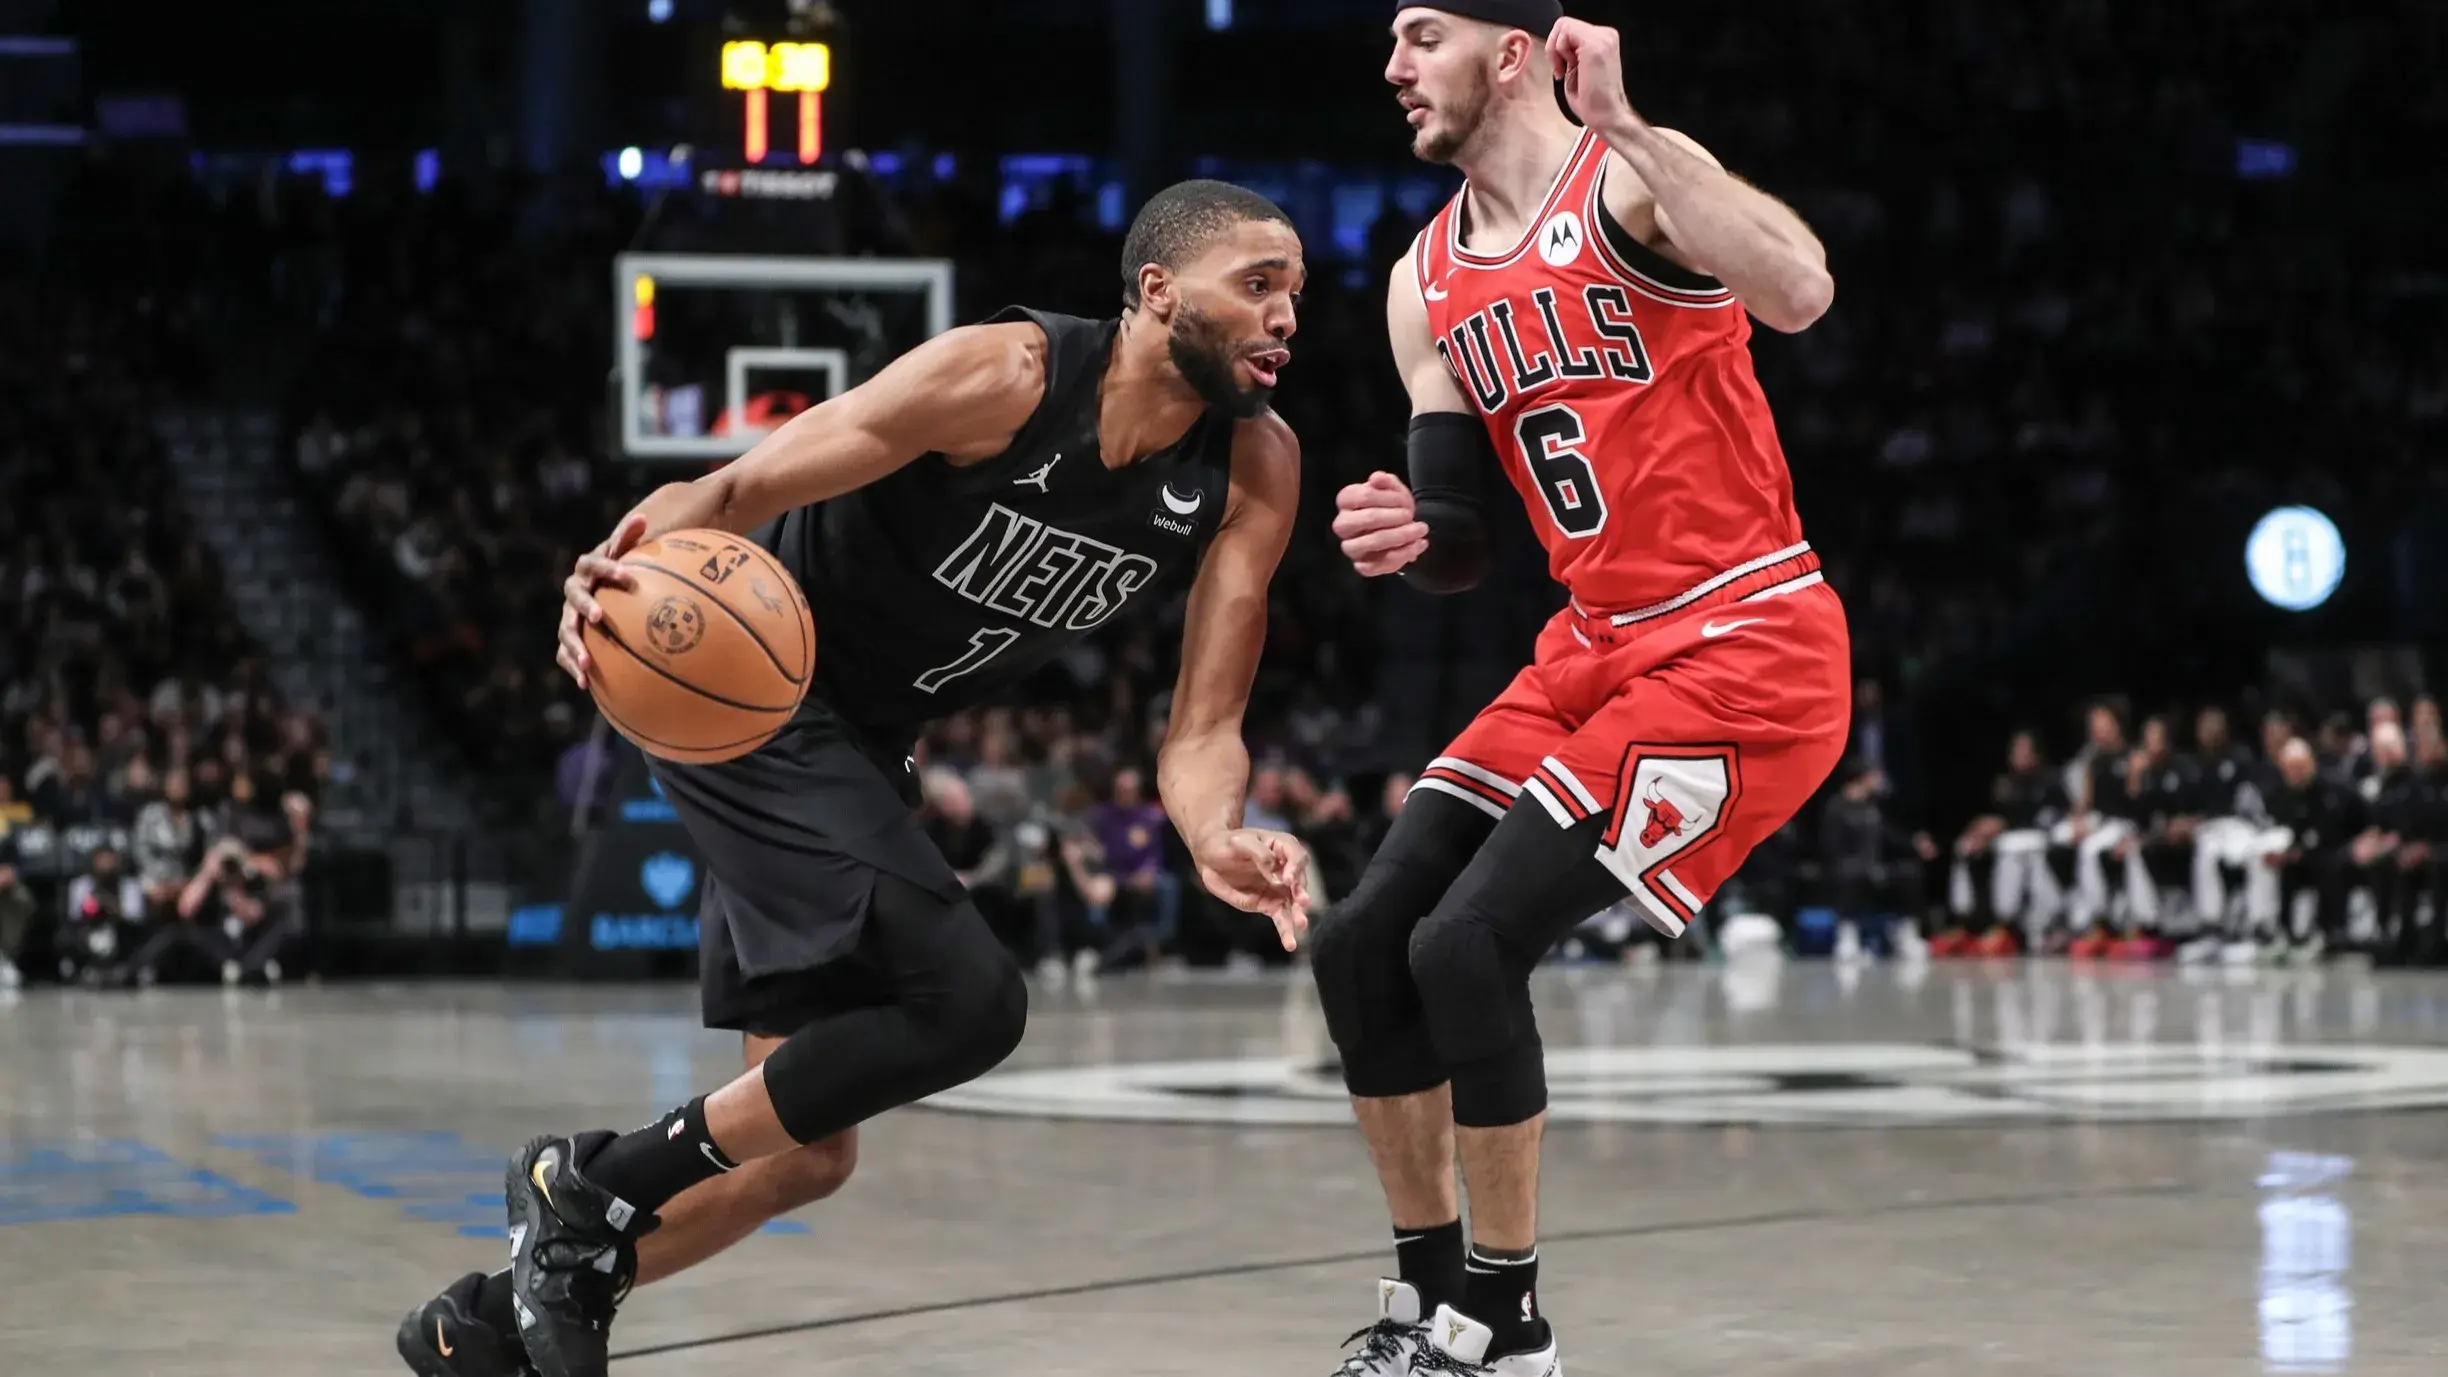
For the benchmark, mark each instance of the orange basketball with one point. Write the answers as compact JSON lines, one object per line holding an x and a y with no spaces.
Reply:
{"x":709,"y":655}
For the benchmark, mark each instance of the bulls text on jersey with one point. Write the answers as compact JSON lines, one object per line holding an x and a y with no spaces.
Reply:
{"x":1039,"y":573}
{"x":1499,"y":353}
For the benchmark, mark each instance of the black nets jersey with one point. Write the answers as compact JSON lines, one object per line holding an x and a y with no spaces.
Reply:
{"x":938,"y":585}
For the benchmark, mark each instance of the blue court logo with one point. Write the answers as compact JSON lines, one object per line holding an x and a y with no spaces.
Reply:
{"x":668,"y":878}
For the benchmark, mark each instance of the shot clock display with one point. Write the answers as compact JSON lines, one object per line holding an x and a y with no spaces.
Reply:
{"x":758,"y":69}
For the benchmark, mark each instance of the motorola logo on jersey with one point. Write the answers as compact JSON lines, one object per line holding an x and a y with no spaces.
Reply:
{"x":1025,"y":568}
{"x":1560,"y":242}
{"x":1512,"y":348}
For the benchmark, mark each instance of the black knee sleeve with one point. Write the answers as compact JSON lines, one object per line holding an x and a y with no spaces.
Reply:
{"x":982,"y":1021}
{"x":1359,"y":952}
{"x":1372,"y":1012}
{"x":957,"y":1008}
{"x":1475,"y":988}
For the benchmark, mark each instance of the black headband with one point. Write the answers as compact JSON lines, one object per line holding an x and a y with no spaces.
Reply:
{"x":1538,"y":16}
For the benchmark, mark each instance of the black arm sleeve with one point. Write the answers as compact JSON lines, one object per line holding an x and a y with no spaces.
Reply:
{"x":1448,"y":453}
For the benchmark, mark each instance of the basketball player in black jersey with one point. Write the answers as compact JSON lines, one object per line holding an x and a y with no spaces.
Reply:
{"x":985,"y":501}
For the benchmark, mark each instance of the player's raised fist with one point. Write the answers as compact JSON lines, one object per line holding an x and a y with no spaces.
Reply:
{"x":1589,"y":61}
{"x":1379,"y":525}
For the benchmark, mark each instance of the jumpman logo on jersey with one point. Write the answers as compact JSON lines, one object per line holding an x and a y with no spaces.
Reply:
{"x":1040,"y":478}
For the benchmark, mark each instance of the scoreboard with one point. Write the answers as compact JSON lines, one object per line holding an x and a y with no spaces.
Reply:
{"x":759,"y":70}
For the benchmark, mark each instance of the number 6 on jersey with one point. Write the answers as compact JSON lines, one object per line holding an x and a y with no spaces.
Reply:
{"x":1549,"y":439}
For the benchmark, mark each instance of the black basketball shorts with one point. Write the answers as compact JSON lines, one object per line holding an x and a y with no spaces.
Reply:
{"x":794,"y":835}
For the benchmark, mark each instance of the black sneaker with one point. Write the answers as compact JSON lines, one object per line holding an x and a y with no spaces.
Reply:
{"x":444,"y":1338}
{"x":573,"y":1254}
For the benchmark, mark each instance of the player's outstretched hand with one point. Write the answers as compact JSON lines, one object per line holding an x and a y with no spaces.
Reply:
{"x":1258,"y":871}
{"x":597,"y":568}
{"x":1589,"y":61}
{"x":1379,"y":525}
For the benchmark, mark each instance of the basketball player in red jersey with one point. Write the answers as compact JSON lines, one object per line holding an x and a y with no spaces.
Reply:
{"x":1577,"y":316}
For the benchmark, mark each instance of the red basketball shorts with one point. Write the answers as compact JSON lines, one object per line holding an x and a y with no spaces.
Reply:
{"x":1697,"y":733}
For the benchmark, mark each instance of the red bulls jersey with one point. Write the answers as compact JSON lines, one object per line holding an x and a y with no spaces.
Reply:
{"x":1618,"y":389}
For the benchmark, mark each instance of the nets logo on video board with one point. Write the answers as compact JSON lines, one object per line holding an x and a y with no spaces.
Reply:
{"x":2295,"y":558}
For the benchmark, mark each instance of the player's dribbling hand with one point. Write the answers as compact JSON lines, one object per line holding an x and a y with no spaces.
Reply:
{"x":1258,"y":871}
{"x":1589,"y":61}
{"x":1379,"y":525}
{"x":596,"y":568}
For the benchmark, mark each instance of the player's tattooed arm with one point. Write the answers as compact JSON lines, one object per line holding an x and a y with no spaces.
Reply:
{"x":1703,"y":216}
{"x":1433,"y":531}
{"x":1203,"y":771}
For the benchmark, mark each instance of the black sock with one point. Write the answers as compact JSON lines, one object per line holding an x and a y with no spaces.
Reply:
{"x":657,"y":1162}
{"x":1500,"y":1291}
{"x":493,"y":1305}
{"x":1431,"y":1261}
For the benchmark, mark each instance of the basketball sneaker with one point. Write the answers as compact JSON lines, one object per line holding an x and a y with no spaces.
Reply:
{"x":1458,"y":1344}
{"x":2141,"y":947}
{"x":1996,"y":942}
{"x":444,"y":1338}
{"x":1387,"y":1346}
{"x":573,"y":1254}
{"x":2093,"y":945}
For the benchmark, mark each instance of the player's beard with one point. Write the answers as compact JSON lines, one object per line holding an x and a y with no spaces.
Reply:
{"x":1204,"y":354}
{"x":1456,"y":122}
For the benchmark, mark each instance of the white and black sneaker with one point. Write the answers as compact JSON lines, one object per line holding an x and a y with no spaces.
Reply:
{"x":1458,"y":1344}
{"x":1386,"y":1347}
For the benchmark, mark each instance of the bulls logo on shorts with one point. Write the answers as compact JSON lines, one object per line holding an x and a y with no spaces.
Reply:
{"x":1665,"y":819}
{"x":1672,"y":799}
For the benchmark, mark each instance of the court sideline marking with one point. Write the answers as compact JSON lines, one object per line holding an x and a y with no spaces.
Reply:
{"x":2160,"y":1190}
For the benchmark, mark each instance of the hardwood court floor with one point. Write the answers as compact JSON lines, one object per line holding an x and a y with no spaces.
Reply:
{"x":2020,"y":1169}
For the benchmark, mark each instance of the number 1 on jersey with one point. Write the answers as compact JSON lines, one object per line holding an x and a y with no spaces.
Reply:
{"x":985,"y":643}
{"x":1549,"y":438}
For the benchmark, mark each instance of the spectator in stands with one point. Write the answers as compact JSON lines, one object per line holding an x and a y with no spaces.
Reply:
{"x":1266,"y":806}
{"x":229,"y":906}
{"x":2027,"y":804}
{"x":1322,"y":819}
{"x":105,"y":908}
{"x":977,"y":850}
{"x":2395,"y":809}
{"x":2338,"y":748}
{"x":2422,"y":859}
{"x":1131,"y":830}
{"x":1083,"y":894}
{"x":1873,"y":865}
{"x":2107,"y":817}
{"x":997,"y":781}
{"x":73,"y":795}
{"x":2160,"y":847}
{"x":1871,"y":731}
{"x":14,"y":811}
{"x":16,"y":911}
{"x":2218,"y":813}
{"x":168,"y":842}
{"x":2321,"y":819}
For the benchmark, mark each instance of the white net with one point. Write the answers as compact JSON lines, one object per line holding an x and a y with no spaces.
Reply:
{"x":712,"y":351}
